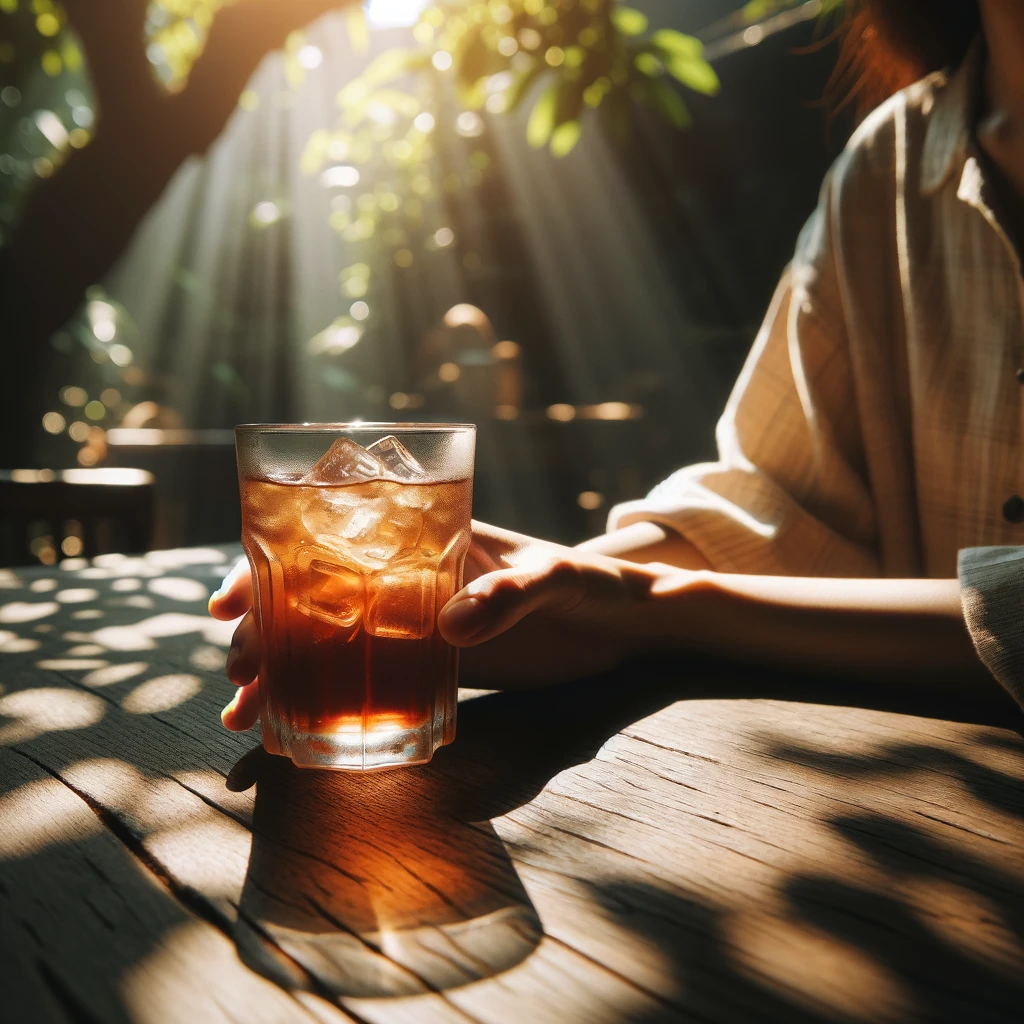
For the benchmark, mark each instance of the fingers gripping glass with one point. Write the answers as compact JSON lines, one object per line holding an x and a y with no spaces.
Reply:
{"x":356,"y":535}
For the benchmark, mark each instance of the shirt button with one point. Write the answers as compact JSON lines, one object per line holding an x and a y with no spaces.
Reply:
{"x":1013,"y":509}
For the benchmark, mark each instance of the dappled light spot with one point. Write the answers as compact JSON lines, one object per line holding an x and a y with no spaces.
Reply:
{"x":179,"y":588}
{"x":125,"y":585}
{"x":161,"y":694}
{"x":43,"y":627}
{"x":87,"y":613}
{"x":70,"y":664}
{"x":44,"y":815}
{"x":134,"y":601}
{"x":74,"y":564}
{"x":9,"y":580}
{"x":178,"y":558}
{"x":11,"y":643}
{"x":207,"y":658}
{"x":77,"y":595}
{"x":966,"y":921}
{"x":95,"y":574}
{"x":86,"y":650}
{"x":43,"y":586}
{"x":124,"y":638}
{"x":848,"y":981}
{"x":24,"y":611}
{"x":115,"y":674}
{"x":47,"y":709}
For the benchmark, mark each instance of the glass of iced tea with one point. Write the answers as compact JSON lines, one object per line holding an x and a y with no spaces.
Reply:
{"x":356,"y":535}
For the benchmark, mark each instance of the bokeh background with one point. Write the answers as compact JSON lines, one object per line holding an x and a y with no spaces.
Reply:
{"x":559,"y":219}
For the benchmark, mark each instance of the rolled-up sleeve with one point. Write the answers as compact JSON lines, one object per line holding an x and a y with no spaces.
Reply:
{"x":788,"y":494}
{"x":992,"y":592}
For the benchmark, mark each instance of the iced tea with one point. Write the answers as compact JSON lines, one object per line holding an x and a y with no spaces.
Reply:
{"x":350,"y":577}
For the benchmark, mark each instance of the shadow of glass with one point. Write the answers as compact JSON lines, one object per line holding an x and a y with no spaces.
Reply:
{"x":394,"y":883}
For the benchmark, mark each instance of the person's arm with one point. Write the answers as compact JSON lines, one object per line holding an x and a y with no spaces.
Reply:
{"x":645,"y":542}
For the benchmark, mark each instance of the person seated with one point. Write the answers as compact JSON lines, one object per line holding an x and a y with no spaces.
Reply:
{"x":864,"y":511}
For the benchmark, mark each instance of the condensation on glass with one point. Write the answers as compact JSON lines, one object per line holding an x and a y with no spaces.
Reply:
{"x":356,"y":535}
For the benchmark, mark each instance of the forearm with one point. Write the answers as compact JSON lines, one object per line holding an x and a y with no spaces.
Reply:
{"x":644,"y":543}
{"x":905,"y":628}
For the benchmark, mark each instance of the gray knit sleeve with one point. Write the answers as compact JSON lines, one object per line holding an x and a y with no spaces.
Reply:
{"x":992,"y":592}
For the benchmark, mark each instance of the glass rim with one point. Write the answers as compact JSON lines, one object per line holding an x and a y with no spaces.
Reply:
{"x":363,"y":425}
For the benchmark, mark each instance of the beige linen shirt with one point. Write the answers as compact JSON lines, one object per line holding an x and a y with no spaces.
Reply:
{"x":875,"y":429}
{"x":876,"y":426}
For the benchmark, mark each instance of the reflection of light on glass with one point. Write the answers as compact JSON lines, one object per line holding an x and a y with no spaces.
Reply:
{"x":403,"y":258}
{"x":343,"y":176}
{"x":399,"y":400}
{"x":590,"y":500}
{"x":423,"y":122}
{"x":753,"y":35}
{"x":79,"y":431}
{"x":495,"y":103}
{"x":507,"y":46}
{"x":381,"y":113}
{"x":42,"y":167}
{"x":311,"y":57}
{"x":555,"y":56}
{"x":402,"y":151}
{"x":265,"y":213}
{"x":82,"y":116}
{"x":79,"y":138}
{"x":53,"y":423}
{"x":10,"y":96}
{"x":506,"y":412}
{"x":444,"y":237}
{"x":95,"y":410}
{"x":359,"y":310}
{"x":442,"y":60}
{"x":561,"y":412}
{"x":469,"y":124}
{"x":110,"y":397}
{"x":449,"y":372}
{"x":120,"y":355}
{"x":104,"y":330}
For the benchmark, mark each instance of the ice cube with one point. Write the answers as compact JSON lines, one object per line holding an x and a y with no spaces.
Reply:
{"x":345,"y":462}
{"x":400,"y":599}
{"x":330,"y":592}
{"x":397,"y":460}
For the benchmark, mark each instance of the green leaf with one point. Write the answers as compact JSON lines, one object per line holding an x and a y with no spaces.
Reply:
{"x":674,"y":43}
{"x":647,"y":64}
{"x":669,"y":103}
{"x":697,"y":75}
{"x":628,"y":21}
{"x":542,"y":118}
{"x":565,"y":137}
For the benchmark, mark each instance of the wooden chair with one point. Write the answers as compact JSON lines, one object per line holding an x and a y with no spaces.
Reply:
{"x":46,"y":514}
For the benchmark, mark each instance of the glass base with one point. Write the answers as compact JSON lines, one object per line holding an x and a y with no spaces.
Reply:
{"x":353,"y":750}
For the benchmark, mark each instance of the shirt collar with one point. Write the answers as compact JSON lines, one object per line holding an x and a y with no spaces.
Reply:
{"x":947,"y":141}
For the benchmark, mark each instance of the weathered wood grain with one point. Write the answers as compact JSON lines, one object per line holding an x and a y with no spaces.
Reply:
{"x":643,"y":847}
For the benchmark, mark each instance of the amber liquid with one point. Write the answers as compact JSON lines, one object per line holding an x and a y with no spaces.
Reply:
{"x":350,"y":581}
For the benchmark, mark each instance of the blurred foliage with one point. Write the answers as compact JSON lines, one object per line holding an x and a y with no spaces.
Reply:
{"x":587,"y":53}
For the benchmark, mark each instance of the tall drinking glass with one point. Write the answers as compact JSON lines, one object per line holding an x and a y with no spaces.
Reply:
{"x":356,"y":535}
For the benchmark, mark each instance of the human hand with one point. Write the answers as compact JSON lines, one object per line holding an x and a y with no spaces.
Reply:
{"x":531,"y":612}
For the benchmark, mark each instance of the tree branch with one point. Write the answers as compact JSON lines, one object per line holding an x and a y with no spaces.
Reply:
{"x":77,"y":223}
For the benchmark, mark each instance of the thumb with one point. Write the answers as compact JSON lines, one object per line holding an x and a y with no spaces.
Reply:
{"x":494,"y":603}
{"x":234,"y":596}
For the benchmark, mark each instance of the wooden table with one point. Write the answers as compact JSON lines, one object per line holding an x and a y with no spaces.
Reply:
{"x":653,"y":845}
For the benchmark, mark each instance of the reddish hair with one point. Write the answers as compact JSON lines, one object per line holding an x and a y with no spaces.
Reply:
{"x":887,"y":44}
